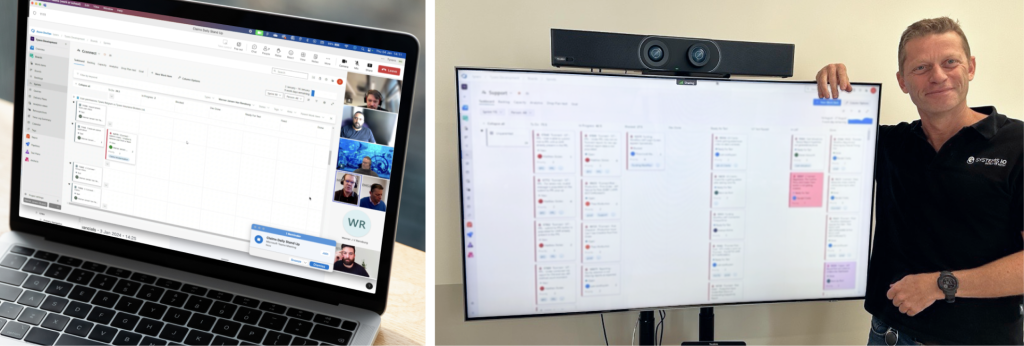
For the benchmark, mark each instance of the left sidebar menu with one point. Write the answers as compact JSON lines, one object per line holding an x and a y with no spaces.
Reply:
{"x":46,"y":102}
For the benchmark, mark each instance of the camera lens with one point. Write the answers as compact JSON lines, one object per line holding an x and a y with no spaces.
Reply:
{"x":698,"y":54}
{"x":655,"y":53}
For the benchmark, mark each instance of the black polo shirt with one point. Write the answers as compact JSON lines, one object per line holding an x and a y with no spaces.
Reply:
{"x":958,"y":208}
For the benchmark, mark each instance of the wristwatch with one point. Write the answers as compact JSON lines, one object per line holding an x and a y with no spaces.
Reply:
{"x":948,"y":284}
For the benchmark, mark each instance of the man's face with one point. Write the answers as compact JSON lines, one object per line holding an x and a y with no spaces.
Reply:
{"x":366,"y":163}
{"x":350,"y":183}
{"x":348,"y":255}
{"x":357,"y":121}
{"x":936,"y":72}
{"x":376,"y":195}
{"x":372,"y":102}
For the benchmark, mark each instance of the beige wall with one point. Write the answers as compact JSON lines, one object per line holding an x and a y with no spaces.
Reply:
{"x":862,"y":34}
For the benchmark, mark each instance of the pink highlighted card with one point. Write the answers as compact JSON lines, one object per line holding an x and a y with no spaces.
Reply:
{"x":805,"y":189}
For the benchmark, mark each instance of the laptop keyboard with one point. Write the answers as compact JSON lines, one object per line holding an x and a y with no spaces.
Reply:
{"x":49,"y":299}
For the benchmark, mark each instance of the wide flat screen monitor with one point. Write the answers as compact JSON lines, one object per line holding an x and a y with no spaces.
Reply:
{"x":585,"y":193}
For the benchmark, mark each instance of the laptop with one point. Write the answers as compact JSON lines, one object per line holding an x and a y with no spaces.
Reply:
{"x":189,"y":173}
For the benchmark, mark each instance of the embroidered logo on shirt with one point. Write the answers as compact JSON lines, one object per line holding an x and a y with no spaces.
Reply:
{"x":987,"y":162}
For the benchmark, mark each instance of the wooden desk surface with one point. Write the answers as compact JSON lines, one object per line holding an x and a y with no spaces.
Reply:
{"x":403,"y":323}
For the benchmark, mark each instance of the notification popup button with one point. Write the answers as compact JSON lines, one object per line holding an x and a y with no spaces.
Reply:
{"x":296,"y":248}
{"x":388,"y":70}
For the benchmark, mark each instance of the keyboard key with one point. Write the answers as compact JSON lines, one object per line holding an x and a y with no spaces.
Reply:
{"x":177,"y":316}
{"x":149,"y":327}
{"x":300,"y":314}
{"x":103,"y":282}
{"x":246,"y":301}
{"x":275,"y":338}
{"x":49,"y":256}
{"x":149,"y":292}
{"x":226,"y":328}
{"x":220,"y":340}
{"x":275,"y":308}
{"x":96,"y":267}
{"x":152,"y":310}
{"x":81,"y":276}
{"x":247,"y":315}
{"x":41,"y":336}
{"x":36,"y":283}
{"x":219,"y":295}
{"x":125,"y":321}
{"x":82,"y":293}
{"x":118,"y":272}
{"x":125,"y":337}
{"x":196,"y":337}
{"x":36,"y":266}
{"x":15,"y":330}
{"x":252,"y":334}
{"x":58,"y":271}
{"x":330,"y":320}
{"x":77,"y":309}
{"x":103,"y":334}
{"x":222,"y":309}
{"x":169,"y":284}
{"x":79,"y":327}
{"x":151,"y":341}
{"x":10,"y":310}
{"x":31,"y":298}
{"x":127,"y":287}
{"x":54,"y":304}
{"x":198,"y":304}
{"x":105,"y":299}
{"x":173,"y":333}
{"x":272,"y":321}
{"x":298,"y":327}
{"x":55,"y":322}
{"x":301,"y":341}
{"x":201,"y":322}
{"x":330,"y":335}
{"x":11,"y":277}
{"x":13,"y":261}
{"x":193,"y":289}
{"x":128,"y":304}
{"x":22,"y":250}
{"x":175,"y":299}
{"x":32,"y":316}
{"x":349,"y":325}
{"x":66,"y":339}
{"x":71,"y":261}
{"x":143,"y":278}
{"x":9,"y":293}
{"x":59,"y":288}
{"x":101,"y":315}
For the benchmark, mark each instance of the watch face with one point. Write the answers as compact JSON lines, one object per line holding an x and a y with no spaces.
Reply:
{"x":947,"y":283}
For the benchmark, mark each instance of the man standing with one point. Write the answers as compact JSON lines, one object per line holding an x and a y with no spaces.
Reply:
{"x":355,"y":130}
{"x":947,"y":264}
{"x":376,"y":199}
{"x":347,"y":262}
{"x":348,"y":193}
{"x":373,"y":99}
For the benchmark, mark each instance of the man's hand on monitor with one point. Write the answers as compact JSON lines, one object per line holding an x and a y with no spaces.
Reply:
{"x":831,"y":78}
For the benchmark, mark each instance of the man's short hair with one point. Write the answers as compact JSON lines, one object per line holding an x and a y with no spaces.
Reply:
{"x":932,"y":26}
{"x":375,"y":187}
{"x":343,"y":246}
{"x":367,"y":157}
{"x":347,"y":174}
{"x":375,"y":93}
{"x":354,"y":114}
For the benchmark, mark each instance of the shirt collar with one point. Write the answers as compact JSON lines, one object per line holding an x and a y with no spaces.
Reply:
{"x":985,"y":127}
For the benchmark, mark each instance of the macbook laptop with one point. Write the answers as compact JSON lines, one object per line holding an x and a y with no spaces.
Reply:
{"x":188,"y":173}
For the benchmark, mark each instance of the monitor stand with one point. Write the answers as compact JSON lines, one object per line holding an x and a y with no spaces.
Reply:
{"x":706,"y":334}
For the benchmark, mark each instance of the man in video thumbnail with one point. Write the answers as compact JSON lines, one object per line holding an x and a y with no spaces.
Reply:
{"x":364,"y":168}
{"x":348,"y":193}
{"x":373,"y":99}
{"x":376,"y":199}
{"x":356,"y":130}
{"x":346,"y":261}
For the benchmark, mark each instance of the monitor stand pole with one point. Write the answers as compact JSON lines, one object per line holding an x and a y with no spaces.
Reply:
{"x":706,"y":329}
{"x":647,"y":336}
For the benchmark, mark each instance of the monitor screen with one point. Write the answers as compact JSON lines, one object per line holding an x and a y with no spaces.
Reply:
{"x":585,"y":192}
{"x":257,"y":148}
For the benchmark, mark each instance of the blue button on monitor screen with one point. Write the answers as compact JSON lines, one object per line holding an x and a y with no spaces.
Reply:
{"x":259,"y":239}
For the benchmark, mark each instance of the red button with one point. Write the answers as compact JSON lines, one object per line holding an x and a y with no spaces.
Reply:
{"x":339,"y":81}
{"x":873,"y":90}
{"x":388,"y":69}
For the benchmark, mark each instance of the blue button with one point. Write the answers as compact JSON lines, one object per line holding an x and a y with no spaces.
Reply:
{"x":317,"y":265}
{"x":259,"y":239}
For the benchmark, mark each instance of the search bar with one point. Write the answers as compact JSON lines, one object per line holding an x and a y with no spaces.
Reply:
{"x":289,"y":73}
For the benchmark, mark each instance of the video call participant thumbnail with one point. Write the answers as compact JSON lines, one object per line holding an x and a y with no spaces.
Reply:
{"x":357,"y":130}
{"x":348,"y":193}
{"x":366,"y":167}
{"x":345,"y":261}
{"x":376,"y":199}
{"x":373,"y":99}
{"x":352,"y":156}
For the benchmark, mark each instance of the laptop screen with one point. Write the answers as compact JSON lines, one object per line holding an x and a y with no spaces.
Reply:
{"x":257,"y":148}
